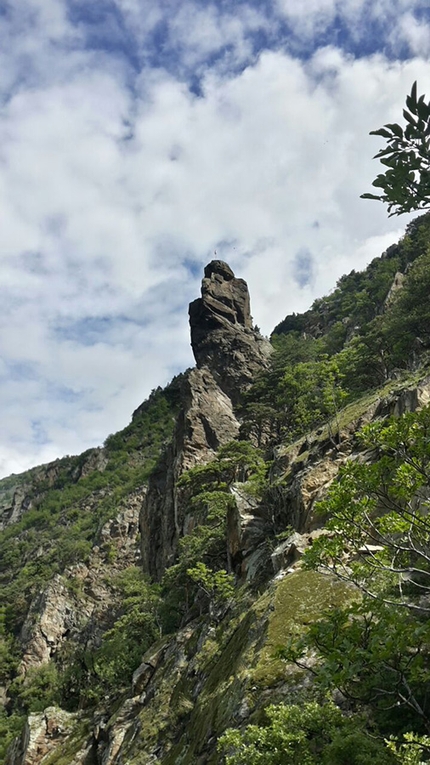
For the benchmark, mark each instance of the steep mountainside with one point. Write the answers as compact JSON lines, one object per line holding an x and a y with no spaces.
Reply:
{"x":152,"y":588}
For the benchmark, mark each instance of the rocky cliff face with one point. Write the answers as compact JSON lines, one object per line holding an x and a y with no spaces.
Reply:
{"x":207,"y":676}
{"x":76,"y":607}
{"x":229,"y":353}
{"x":206,"y":422}
{"x":222,"y":335}
{"x":20,"y":493}
{"x":219,"y":669}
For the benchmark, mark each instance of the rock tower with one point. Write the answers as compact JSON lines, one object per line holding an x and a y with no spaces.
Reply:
{"x":229,"y":353}
{"x":222,"y":335}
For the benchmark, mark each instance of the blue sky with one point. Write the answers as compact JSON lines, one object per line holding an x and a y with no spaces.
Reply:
{"x":136,"y":138}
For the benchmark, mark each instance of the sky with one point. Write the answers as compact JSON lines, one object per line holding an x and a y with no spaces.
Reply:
{"x":138,"y":138}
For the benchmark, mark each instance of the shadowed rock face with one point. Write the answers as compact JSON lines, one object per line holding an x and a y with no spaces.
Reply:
{"x":222,"y":336}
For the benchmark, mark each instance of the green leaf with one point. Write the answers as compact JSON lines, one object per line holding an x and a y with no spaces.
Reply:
{"x":369,"y":196}
{"x":385,"y":152}
{"x":409,"y":117}
{"x":396,"y":129}
{"x":382,"y":132}
{"x":390,"y":162}
{"x":423,"y":109}
{"x":380,"y":181}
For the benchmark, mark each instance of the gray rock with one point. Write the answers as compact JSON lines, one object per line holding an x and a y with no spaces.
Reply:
{"x":247,"y":529}
{"x":398,"y":402}
{"x":397,"y":284}
{"x":289,"y":552}
{"x":206,"y":422}
{"x":78,"y":605}
{"x":42,"y":735}
{"x":222,"y":336}
{"x":229,"y":353}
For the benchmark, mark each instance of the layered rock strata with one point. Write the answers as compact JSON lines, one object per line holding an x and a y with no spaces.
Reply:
{"x":229,"y":353}
{"x":222,"y":334}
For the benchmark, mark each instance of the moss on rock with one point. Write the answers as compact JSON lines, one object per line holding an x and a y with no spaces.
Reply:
{"x":300,"y":599}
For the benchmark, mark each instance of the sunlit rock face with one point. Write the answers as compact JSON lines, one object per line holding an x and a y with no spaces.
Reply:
{"x":222,"y":334}
{"x":229,"y":353}
{"x":206,"y":421}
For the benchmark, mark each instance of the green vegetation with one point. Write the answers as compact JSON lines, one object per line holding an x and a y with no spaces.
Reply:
{"x":376,"y":513}
{"x":300,"y":599}
{"x":406,"y":184}
{"x":67,"y":517}
{"x":217,"y":586}
{"x":348,"y":343}
{"x":366,"y":636}
{"x":201,"y":579}
{"x":370,"y":641}
{"x":309,"y":734}
{"x":413,"y":750}
{"x":10,"y":727}
{"x":60,"y":529}
{"x":373,"y":647}
{"x":80,"y":677}
{"x":90,"y":675}
{"x":375,"y":650}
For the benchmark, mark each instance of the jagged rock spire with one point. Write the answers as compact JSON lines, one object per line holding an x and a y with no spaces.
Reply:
{"x":222,"y":337}
{"x":228,"y":353}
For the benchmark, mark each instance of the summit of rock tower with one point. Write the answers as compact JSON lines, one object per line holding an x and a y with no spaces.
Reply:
{"x":222,"y":334}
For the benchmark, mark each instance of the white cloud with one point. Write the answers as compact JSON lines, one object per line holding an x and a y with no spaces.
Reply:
{"x":107,"y":192}
{"x":416,"y":34}
{"x":200,"y":31}
{"x":310,"y":17}
{"x":396,"y":23}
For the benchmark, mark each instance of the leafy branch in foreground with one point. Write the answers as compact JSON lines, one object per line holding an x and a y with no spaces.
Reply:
{"x":377,"y":515}
{"x":375,"y":656}
{"x":308,"y":734}
{"x":405,"y":184}
{"x":411,"y":750}
{"x":376,"y":650}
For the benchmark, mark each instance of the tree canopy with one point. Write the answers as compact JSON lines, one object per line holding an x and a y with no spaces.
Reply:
{"x":375,"y":650}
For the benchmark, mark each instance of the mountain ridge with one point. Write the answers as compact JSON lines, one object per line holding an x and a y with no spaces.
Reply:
{"x":210,"y":471}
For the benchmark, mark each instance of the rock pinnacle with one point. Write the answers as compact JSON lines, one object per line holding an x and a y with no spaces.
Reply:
{"x":222,"y":335}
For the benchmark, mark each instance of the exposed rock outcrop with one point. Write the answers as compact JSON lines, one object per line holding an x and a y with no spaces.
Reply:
{"x":222,"y":336}
{"x":405,"y":400}
{"x":77,"y":606}
{"x":229,"y":353}
{"x":396,"y":285}
{"x":20,"y":493}
{"x":43,"y":736}
{"x":206,"y":422}
{"x":191,"y":685}
{"x":222,"y":668}
{"x":52,"y":615}
{"x":14,"y":507}
{"x":247,"y":529}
